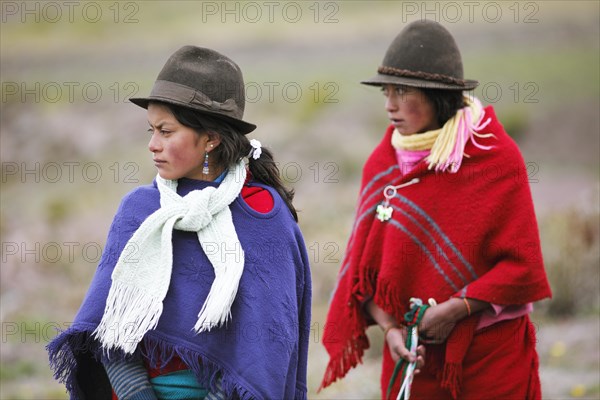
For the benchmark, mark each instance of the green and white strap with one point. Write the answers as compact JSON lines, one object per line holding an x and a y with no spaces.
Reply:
{"x":403,"y":368}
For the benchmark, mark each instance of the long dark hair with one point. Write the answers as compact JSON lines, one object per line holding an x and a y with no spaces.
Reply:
{"x":445,"y":102}
{"x":233,"y":147}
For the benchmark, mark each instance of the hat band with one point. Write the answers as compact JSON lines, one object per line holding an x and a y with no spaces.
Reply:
{"x":167,"y":90}
{"x":420,"y":75}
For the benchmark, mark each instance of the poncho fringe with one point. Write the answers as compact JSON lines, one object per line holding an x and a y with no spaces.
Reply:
{"x":157,"y":352}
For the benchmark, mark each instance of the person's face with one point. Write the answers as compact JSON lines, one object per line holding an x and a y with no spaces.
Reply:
{"x":409,"y":110}
{"x":178,"y":151}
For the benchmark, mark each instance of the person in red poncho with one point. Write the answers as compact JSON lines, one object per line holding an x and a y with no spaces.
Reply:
{"x":444,"y":218}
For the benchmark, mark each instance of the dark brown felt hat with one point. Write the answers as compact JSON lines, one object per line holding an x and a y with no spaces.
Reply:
{"x":423,"y":55}
{"x":203,"y":80}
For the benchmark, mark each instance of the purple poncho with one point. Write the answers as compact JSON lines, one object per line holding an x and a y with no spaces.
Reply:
{"x":260,"y":354}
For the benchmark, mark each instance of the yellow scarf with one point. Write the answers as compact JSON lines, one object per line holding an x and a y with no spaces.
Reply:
{"x":447,"y":144}
{"x":415,"y":141}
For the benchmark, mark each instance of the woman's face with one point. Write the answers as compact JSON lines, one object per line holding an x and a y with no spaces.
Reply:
{"x":178,"y":151}
{"x":409,"y":110}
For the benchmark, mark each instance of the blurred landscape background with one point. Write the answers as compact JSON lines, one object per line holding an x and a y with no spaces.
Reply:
{"x":72,"y":146}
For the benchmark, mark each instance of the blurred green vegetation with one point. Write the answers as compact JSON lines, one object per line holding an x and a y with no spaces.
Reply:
{"x":571,"y":253}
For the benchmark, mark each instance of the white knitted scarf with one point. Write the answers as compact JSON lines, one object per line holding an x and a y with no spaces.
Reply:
{"x":141,"y":277}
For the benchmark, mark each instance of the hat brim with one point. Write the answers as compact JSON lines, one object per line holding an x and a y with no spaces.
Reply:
{"x":241,"y":126}
{"x":383,"y":79}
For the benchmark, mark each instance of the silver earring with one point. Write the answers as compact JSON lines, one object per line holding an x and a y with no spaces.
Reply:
{"x":205,"y":166}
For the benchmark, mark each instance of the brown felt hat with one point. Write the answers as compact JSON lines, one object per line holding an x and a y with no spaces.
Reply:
{"x":203,"y":80}
{"x":423,"y":55}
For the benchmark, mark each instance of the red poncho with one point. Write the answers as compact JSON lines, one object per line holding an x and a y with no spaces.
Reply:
{"x":469,"y":234}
